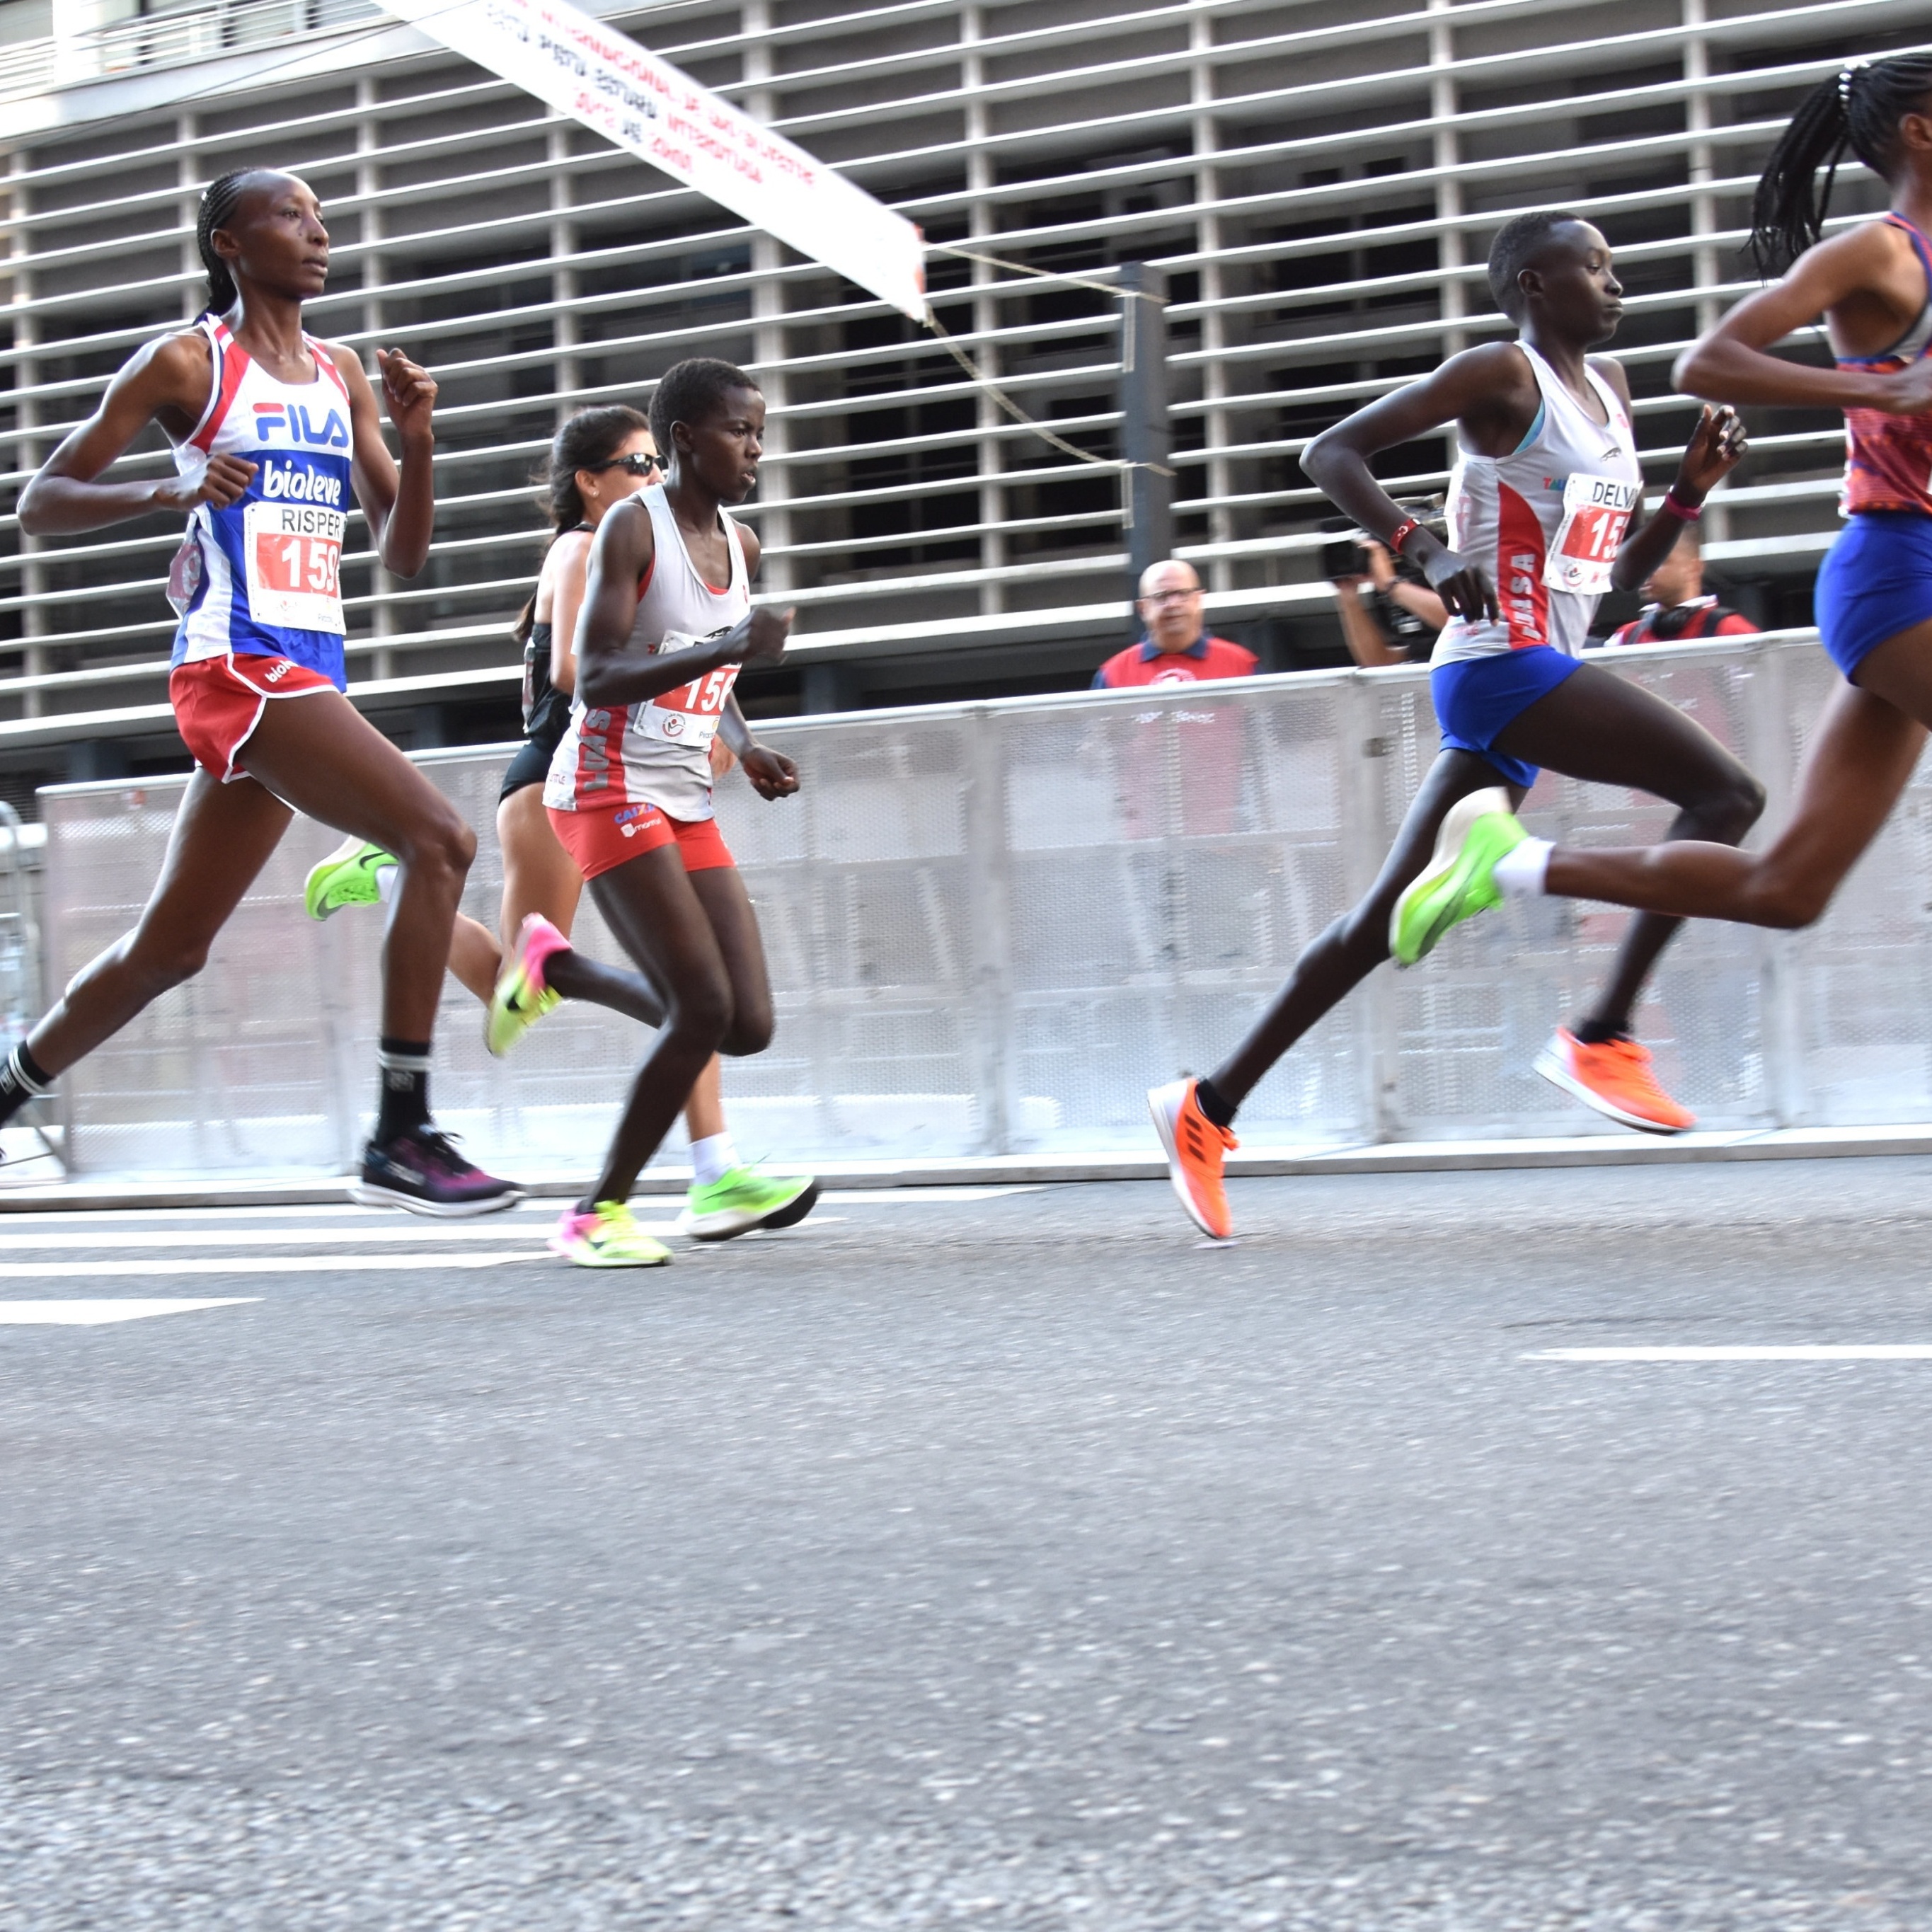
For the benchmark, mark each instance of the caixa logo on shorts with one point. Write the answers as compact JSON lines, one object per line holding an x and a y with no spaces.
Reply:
{"x":633,"y":818}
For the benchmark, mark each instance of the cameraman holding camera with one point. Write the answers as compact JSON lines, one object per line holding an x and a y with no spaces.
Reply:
{"x":1397,"y":622}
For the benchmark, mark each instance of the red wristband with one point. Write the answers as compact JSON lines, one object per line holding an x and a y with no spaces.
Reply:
{"x":1401,"y":534}
{"x":1674,"y":506}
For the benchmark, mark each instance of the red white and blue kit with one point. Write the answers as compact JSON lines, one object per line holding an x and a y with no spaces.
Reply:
{"x":257,"y":584}
{"x":1546,"y":522}
{"x":628,"y":779}
{"x":1876,"y":580}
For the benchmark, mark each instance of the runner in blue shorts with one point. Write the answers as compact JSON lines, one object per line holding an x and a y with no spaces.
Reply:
{"x":1872,"y":286}
{"x":1544,"y":516}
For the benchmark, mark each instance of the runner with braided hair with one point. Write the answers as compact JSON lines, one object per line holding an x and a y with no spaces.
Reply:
{"x":1872,"y":285}
{"x":272,"y":432}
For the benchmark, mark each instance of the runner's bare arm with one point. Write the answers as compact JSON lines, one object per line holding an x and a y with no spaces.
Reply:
{"x":1852,"y":278}
{"x":167,"y":382}
{"x":1717,"y":446}
{"x":570,"y":558}
{"x":400,"y":505}
{"x":609,"y":673}
{"x":772,"y":775}
{"x":1491,"y":392}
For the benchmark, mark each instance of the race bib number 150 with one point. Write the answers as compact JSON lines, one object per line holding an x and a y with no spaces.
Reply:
{"x":294,"y":556}
{"x":1596,"y":510}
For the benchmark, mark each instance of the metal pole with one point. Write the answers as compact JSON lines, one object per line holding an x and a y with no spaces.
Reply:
{"x":1143,"y":436}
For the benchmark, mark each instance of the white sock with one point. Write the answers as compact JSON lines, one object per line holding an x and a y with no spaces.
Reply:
{"x":712,"y":1159}
{"x":1519,"y":872}
{"x":386,"y":877}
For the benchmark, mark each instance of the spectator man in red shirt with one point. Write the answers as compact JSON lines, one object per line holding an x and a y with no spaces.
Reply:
{"x":1176,"y":648}
{"x":1187,"y":759}
{"x":1678,"y":609}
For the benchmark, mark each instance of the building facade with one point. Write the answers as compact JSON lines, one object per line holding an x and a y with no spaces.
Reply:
{"x":1313,"y":183}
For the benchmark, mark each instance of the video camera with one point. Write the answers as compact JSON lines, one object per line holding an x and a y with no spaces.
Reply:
{"x":1343,"y":555}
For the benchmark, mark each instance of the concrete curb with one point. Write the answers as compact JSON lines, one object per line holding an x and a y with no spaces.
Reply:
{"x":27,"y":1195}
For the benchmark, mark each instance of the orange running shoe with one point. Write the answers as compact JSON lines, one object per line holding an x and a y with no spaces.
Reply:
{"x":1615,"y":1078}
{"x":1196,"y":1150}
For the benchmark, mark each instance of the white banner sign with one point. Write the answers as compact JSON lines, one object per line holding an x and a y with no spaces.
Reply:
{"x":604,"y":79}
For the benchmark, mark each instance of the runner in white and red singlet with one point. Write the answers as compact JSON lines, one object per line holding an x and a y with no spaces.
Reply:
{"x":1871,"y":285}
{"x":667,"y":621}
{"x":274,"y":433}
{"x":1542,"y":522}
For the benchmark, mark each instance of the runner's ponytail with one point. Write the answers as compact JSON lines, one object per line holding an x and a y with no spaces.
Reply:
{"x":588,"y":438}
{"x":219,"y":201}
{"x":1856,"y":110}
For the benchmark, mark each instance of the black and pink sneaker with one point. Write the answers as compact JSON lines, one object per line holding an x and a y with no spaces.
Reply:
{"x":421,"y":1171}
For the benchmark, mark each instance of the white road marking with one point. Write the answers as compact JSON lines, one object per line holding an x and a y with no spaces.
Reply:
{"x":15,"y":1227}
{"x":912,"y":1197}
{"x":1800,"y":1351}
{"x":418,"y":1232}
{"x":270,"y":1264}
{"x":380,"y":1234}
{"x":96,"y":1314}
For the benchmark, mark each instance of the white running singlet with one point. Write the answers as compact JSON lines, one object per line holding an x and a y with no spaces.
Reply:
{"x":658,"y":752}
{"x":1546,"y":521}
{"x":263,"y":577}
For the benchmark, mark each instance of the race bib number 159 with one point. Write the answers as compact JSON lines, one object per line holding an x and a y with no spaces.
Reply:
{"x":294,"y":556}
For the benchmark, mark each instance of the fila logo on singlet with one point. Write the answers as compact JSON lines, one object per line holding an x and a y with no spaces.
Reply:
{"x":293,"y":422}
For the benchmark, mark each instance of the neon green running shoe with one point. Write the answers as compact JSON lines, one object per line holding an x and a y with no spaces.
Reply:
{"x":521,"y":997}
{"x":743,"y":1199}
{"x":1459,"y":881}
{"x":608,"y":1236}
{"x":347,"y":877}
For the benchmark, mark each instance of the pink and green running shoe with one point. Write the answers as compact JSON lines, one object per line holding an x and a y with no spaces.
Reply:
{"x":521,"y":998}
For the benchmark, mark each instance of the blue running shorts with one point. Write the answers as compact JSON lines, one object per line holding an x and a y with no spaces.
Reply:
{"x":1475,"y":698}
{"x":1875,"y":582}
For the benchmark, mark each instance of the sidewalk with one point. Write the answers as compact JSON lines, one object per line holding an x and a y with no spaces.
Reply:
{"x":26,"y":1186}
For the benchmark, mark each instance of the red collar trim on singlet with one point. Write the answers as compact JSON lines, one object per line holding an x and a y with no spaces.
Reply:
{"x":324,"y":365}
{"x":231,"y":365}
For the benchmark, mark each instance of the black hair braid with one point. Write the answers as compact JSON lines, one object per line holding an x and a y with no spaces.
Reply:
{"x":587,"y":438}
{"x":219,"y":201}
{"x":1855,"y":110}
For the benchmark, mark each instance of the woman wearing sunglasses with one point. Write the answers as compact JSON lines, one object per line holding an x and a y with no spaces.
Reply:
{"x":599,"y":457}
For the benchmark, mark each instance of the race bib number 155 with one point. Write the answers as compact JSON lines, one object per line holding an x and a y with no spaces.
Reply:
{"x":1596,"y":511}
{"x":294,"y":556}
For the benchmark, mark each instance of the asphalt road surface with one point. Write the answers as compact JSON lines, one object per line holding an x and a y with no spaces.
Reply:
{"x":1008,"y":1560}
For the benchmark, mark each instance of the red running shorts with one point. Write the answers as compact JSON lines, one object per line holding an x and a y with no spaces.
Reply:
{"x":219,"y":701}
{"x":606,"y":837}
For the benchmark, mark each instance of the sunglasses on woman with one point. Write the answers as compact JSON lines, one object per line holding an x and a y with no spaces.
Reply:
{"x":639,"y":463}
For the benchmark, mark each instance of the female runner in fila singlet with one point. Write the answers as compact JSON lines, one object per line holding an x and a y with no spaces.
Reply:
{"x":1872,"y":287}
{"x":666,"y":623}
{"x":597,"y":458}
{"x":1545,"y":488}
{"x":271,"y":430}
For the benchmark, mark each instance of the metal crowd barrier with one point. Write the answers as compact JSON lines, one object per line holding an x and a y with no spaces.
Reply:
{"x":991,"y":926}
